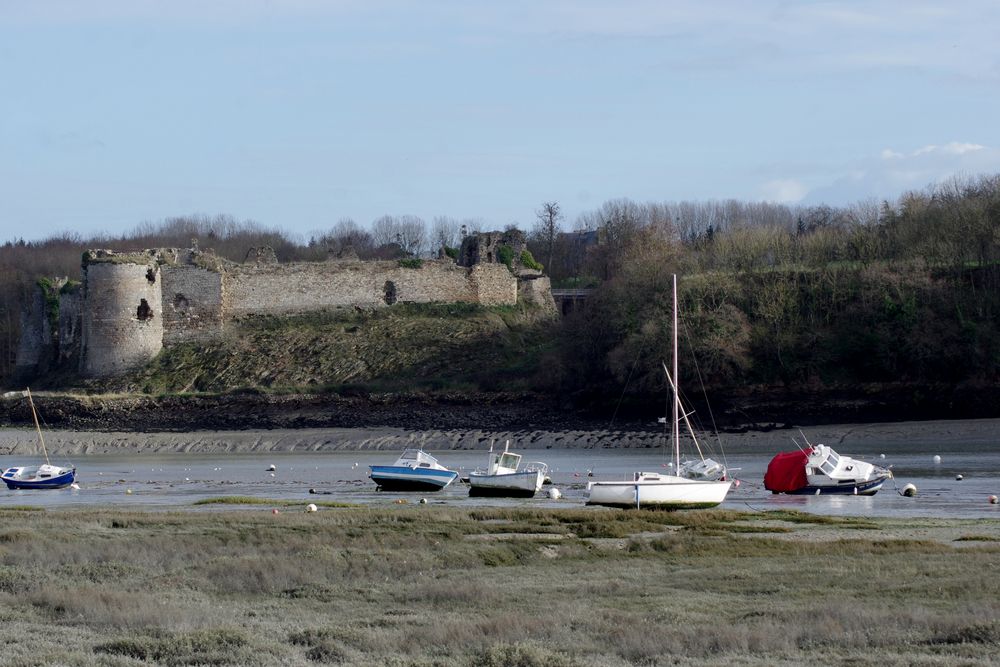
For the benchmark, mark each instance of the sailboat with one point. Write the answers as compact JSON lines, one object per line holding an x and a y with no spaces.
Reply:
{"x":694,"y":486}
{"x":43,"y":476}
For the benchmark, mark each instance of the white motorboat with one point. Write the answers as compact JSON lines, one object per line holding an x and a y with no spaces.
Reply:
{"x":819,"y":470}
{"x":414,"y":470}
{"x":698,"y":484}
{"x":504,"y":477}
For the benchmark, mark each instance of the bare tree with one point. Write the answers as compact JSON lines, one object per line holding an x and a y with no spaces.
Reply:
{"x":407,"y":231}
{"x":547,"y":228}
{"x":446,"y":232}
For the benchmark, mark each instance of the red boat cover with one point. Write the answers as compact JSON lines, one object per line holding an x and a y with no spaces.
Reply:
{"x":787,"y":471}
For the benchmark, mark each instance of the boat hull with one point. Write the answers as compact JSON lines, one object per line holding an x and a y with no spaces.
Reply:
{"x":15,"y":481}
{"x":672,"y":493}
{"x":511,"y":485}
{"x":404,"y":478}
{"x":866,"y":488}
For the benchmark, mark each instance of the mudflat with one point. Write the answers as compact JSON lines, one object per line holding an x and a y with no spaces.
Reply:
{"x":849,"y":436}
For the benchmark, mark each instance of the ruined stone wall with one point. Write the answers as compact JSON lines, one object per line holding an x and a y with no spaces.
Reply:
{"x":534,"y":288}
{"x":305,"y":286}
{"x":494,"y":284}
{"x":35,"y":345}
{"x":133,"y":304}
{"x":70,"y":323}
{"x":192,"y":303}
{"x":122,"y":324}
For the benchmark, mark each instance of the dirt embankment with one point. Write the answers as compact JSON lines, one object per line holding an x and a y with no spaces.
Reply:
{"x":258,"y":411}
{"x":263,"y":423}
{"x":751,"y":409}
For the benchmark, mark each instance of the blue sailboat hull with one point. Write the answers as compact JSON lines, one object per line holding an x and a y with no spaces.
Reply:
{"x":56,"y":482}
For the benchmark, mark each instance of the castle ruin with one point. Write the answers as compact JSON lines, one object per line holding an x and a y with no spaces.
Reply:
{"x":131,"y":305}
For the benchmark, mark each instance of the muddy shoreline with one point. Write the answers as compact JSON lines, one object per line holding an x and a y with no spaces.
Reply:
{"x":856,"y":437}
{"x":253,"y":422}
{"x":749,"y":409}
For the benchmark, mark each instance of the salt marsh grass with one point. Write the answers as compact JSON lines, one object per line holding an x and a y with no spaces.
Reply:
{"x":442,"y":586}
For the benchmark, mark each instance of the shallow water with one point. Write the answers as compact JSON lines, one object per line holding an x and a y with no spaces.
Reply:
{"x":174,"y":481}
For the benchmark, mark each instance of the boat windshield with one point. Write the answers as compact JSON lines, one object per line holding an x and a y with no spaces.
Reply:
{"x":508,"y":460}
{"x":830,"y":464}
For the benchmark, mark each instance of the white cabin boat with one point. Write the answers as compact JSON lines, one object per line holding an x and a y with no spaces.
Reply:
{"x":819,"y":470}
{"x":504,"y":477}
{"x":414,"y":470}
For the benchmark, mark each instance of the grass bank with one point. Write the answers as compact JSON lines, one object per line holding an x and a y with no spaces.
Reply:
{"x":426,"y":585}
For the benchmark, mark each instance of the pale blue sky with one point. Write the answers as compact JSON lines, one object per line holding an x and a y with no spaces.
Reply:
{"x":296,"y":114}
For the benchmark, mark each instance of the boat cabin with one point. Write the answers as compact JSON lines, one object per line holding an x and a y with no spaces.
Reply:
{"x":504,"y":463}
{"x":417,"y":458}
{"x":826,"y":462}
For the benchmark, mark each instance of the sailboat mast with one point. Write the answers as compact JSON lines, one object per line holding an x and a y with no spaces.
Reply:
{"x":677,"y":421}
{"x":38,"y":427}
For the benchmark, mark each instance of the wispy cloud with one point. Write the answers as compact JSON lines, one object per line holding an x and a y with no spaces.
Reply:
{"x":897,"y":171}
{"x":786,"y":191}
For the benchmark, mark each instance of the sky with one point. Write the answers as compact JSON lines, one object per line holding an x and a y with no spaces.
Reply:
{"x":299,"y":113}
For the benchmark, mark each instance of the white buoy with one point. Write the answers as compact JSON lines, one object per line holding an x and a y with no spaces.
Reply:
{"x":423,"y":501}
{"x":958,"y":478}
{"x":909,"y":490}
{"x":555,"y":494}
{"x":128,"y":492}
{"x":881,"y":456}
{"x":311,"y":507}
{"x":272,"y":467}
{"x":993,"y":500}
{"x":937,"y":459}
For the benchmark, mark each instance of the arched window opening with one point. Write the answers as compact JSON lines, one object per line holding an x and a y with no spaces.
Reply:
{"x":389,"y":292}
{"x":143,"y":312}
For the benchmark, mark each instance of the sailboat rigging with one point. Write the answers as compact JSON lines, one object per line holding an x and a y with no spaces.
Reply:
{"x":696,"y":484}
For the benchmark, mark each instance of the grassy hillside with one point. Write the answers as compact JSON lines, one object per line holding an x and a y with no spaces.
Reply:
{"x":409,"y":346}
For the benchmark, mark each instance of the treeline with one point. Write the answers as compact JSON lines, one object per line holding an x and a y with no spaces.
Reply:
{"x":774,"y":293}
{"x":895,"y":293}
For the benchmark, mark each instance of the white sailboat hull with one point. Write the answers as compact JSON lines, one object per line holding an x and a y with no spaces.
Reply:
{"x":658,"y":491}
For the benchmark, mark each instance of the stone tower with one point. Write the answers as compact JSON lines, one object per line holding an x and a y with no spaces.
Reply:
{"x":122,"y":325}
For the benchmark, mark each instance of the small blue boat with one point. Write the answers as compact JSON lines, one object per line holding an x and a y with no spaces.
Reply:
{"x":414,"y":470}
{"x":43,"y":476}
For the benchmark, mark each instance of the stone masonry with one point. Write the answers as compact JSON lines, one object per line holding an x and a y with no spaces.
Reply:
{"x":131,"y":305}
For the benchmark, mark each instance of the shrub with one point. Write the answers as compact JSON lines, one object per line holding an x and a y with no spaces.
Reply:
{"x":411,"y":263}
{"x":451,"y":252}
{"x":528,"y":261}
{"x":505,"y":255}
